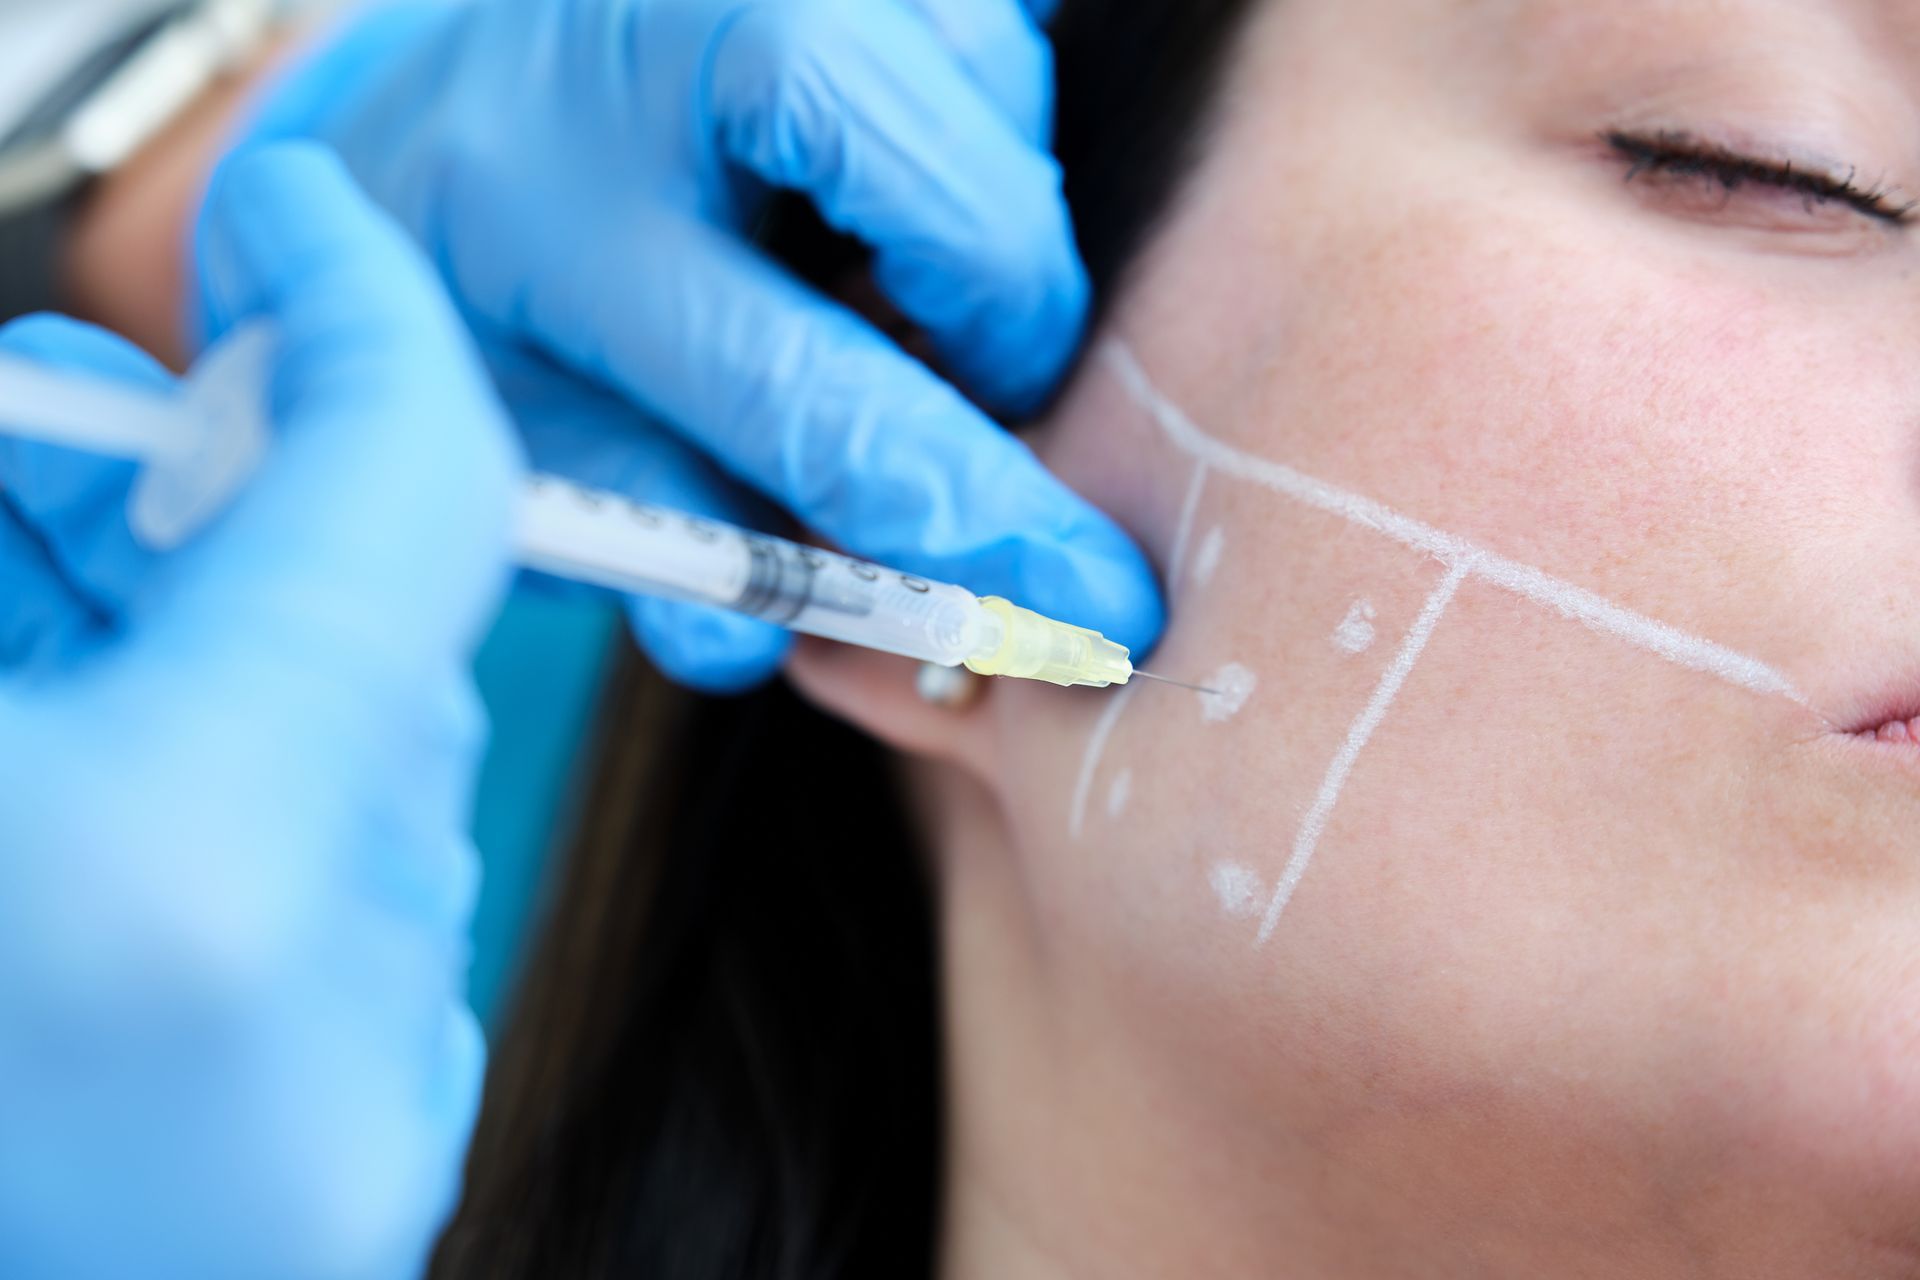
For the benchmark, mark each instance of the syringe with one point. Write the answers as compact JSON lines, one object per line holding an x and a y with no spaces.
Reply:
{"x":609,"y":542}
{"x":200,"y":445}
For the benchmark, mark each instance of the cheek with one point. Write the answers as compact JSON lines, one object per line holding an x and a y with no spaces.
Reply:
{"x":1711,"y":442}
{"x":1548,"y":935}
{"x":1570,"y":899}
{"x":1510,"y":396}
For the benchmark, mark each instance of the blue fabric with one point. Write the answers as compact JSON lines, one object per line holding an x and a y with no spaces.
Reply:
{"x":541,"y":674}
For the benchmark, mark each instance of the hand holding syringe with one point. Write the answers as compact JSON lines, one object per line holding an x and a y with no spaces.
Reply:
{"x":200,"y":446}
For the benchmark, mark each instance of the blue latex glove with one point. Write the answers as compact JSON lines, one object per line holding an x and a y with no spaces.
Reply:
{"x":69,"y":566}
{"x":584,"y":172}
{"x":234,"y":879}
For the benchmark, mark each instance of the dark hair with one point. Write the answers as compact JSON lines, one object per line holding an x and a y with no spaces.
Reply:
{"x":723,"y":1062}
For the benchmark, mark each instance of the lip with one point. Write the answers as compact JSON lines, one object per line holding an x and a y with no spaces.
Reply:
{"x":1889,"y":716}
{"x":1894,"y":733}
{"x":1856,"y":731}
{"x":1867,"y":749}
{"x":1855,"y":698}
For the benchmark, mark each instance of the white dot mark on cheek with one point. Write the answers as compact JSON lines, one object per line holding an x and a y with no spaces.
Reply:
{"x":1231,"y":686}
{"x":1355,"y":632}
{"x":1119,"y":793}
{"x":1206,"y":561}
{"x":1238,"y":889}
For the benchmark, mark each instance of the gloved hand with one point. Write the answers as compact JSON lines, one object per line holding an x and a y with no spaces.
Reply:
{"x":234,"y":879}
{"x":585,"y":172}
{"x":69,"y":564}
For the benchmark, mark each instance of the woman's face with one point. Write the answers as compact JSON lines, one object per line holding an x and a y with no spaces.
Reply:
{"x":1593,"y":962}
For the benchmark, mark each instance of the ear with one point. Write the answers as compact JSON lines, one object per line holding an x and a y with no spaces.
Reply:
{"x":879,"y":693}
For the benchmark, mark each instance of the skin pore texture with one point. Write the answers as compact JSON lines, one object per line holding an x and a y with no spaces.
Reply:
{"x":1604,"y":964}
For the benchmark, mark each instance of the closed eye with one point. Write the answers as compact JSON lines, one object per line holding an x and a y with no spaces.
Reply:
{"x":1681,"y":157}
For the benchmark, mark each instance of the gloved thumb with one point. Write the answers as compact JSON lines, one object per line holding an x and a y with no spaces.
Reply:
{"x":381,"y":517}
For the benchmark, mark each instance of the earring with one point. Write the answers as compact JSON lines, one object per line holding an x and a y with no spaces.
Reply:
{"x":951,"y":688}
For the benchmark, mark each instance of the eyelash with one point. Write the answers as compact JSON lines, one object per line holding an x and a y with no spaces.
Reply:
{"x":1681,"y":155}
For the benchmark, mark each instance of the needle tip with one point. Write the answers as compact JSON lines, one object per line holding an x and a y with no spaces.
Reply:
{"x":1178,"y":684}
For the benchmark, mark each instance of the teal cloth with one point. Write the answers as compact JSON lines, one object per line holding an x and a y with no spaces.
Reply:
{"x":541,"y":672}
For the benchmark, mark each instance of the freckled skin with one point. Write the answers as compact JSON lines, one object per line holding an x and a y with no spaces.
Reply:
{"x":1604,"y":968}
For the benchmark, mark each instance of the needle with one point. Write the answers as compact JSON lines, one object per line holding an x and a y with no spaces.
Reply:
{"x":1181,"y":684}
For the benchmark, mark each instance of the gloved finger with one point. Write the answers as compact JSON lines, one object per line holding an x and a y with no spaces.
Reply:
{"x":72,"y":565}
{"x":815,"y":409}
{"x":43,"y":616}
{"x":382,"y":515}
{"x":1001,"y":46}
{"x":67,"y":343}
{"x":583,"y":433}
{"x":863,"y":109}
{"x":707,"y":649}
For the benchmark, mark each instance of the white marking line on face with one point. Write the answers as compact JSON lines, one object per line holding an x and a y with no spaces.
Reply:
{"x":1227,"y":692}
{"x":1183,"y":532}
{"x":1237,"y":887}
{"x":1355,"y":633}
{"x":1110,"y":718}
{"x":1090,"y":760}
{"x":1575,"y":603}
{"x":1119,"y":793}
{"x":1206,"y":561}
{"x":1314,"y":825}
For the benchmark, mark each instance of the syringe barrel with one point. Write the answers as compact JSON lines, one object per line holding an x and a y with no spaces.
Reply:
{"x":863,"y":604}
{"x":607,"y":541}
